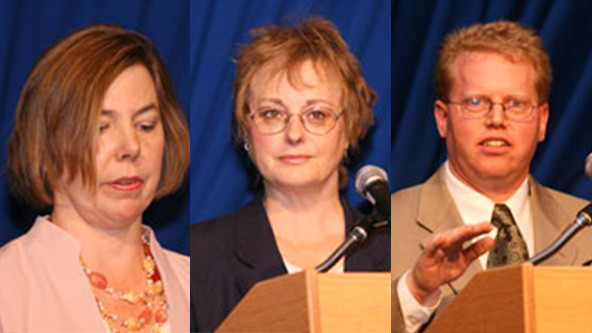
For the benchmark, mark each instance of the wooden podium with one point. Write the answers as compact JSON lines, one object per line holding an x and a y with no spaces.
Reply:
{"x":522,"y":298}
{"x":313,"y":302}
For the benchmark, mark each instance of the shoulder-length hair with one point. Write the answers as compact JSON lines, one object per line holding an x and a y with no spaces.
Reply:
{"x":56,"y":120}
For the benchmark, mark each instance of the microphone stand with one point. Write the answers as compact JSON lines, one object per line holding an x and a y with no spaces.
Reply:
{"x":584,"y":219}
{"x":355,"y":237}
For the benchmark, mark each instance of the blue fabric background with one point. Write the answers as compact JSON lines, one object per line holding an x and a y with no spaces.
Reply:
{"x":214,"y":30}
{"x":27,"y":28}
{"x":219,"y":181}
{"x":564,"y":26}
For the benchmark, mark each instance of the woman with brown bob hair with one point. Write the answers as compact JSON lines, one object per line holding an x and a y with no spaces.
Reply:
{"x":300,"y":104}
{"x":98,"y":135}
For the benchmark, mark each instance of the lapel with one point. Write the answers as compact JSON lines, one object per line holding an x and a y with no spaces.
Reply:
{"x":51,"y":254}
{"x":373,"y":254}
{"x":437,"y":213}
{"x":176,"y":293}
{"x":352,"y":217}
{"x":258,"y":257}
{"x":549,"y":219}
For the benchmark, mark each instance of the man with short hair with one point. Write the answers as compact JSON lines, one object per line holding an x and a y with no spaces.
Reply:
{"x":492,"y":88}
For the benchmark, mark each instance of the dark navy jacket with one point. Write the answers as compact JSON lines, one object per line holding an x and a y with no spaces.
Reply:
{"x":229,"y":254}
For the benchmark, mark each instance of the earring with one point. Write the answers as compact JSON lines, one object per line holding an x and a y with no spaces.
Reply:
{"x":246,"y":147}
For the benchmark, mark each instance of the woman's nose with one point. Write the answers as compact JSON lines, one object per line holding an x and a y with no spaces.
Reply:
{"x":294,"y":129}
{"x":128,"y":145}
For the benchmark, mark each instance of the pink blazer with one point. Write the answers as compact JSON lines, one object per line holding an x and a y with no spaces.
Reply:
{"x":43,"y":287}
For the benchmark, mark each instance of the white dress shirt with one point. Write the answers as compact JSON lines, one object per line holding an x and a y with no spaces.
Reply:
{"x":474,"y":208}
{"x":338,"y":268}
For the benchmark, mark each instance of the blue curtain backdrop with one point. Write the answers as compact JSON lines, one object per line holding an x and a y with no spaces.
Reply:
{"x":564,"y":26}
{"x":28,"y":27}
{"x":219,"y":180}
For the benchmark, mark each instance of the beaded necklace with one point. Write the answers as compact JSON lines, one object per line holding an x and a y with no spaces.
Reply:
{"x":153,"y":298}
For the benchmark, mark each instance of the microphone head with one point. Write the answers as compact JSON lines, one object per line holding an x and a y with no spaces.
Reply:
{"x":589,"y":166}
{"x":368,"y":175}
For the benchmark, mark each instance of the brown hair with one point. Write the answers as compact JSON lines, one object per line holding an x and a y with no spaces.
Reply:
{"x":510,"y":39}
{"x":57,"y":114}
{"x":287,"y":48}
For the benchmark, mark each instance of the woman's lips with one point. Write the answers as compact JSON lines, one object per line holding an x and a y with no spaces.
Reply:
{"x":126,"y":184}
{"x":294,"y":159}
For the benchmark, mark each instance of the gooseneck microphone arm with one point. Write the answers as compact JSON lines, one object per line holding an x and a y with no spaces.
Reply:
{"x":372,"y":184}
{"x":584,"y":219}
{"x":355,"y":237}
{"x":358,"y":235}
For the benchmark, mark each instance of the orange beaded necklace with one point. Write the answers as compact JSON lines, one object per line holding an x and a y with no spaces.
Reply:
{"x":156,"y":306}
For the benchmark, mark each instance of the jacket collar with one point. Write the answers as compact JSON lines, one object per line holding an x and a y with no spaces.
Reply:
{"x":173,"y":286}
{"x":438,"y":213}
{"x":550,"y":220}
{"x":257,"y":251}
{"x":255,"y":247}
{"x":56,"y":246}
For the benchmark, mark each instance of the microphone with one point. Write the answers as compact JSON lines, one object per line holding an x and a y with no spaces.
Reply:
{"x":589,"y":166}
{"x":584,"y":219}
{"x":357,"y":236}
{"x":372,"y":184}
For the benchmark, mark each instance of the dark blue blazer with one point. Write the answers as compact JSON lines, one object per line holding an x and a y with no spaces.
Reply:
{"x":229,"y":254}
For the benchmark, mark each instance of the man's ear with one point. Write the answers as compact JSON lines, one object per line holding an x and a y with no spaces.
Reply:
{"x":543,"y":120}
{"x":441,"y":115}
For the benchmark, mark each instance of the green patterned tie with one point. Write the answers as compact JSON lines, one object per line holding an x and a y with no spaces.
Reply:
{"x":509,"y":247}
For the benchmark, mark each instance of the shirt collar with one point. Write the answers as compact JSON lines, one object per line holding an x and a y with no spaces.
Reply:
{"x":475,"y":207}
{"x":50,"y":236}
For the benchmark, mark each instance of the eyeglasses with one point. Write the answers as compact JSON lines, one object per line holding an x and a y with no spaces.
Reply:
{"x":315,"y":121}
{"x":478,"y":107}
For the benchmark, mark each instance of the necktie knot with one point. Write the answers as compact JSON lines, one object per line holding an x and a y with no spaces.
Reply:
{"x":509,"y":247}
{"x":502,"y":216}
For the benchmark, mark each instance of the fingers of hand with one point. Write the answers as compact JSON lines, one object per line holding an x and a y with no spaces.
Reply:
{"x":461,"y":235}
{"x":450,"y":243}
{"x":478,"y":248}
{"x":436,"y":243}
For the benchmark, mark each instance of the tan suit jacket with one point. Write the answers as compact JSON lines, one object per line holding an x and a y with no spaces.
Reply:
{"x":421,"y":211}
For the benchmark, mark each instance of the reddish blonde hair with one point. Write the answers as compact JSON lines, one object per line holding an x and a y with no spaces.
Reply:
{"x":509,"y":39}
{"x":57,"y":114}
{"x":287,"y":48}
